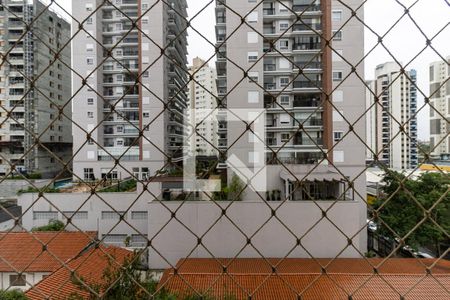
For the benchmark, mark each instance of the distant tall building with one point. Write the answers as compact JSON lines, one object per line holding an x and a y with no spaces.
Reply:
{"x":203,"y":98}
{"x":440,"y":111}
{"x":34,"y":87}
{"x":392,"y":124}
{"x":135,"y":88}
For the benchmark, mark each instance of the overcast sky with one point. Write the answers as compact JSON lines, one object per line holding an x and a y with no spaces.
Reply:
{"x":404,"y":42}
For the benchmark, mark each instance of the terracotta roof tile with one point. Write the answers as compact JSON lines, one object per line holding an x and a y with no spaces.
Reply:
{"x":24,"y":251}
{"x":88,"y":267}
{"x":303,"y":277}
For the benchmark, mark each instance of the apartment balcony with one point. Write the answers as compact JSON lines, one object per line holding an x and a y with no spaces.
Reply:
{"x":306,"y":28}
{"x":269,"y":11}
{"x":308,"y":65}
{"x":16,"y":24}
{"x":307,"y":85}
{"x":270,"y":67}
{"x":308,"y":7}
{"x":270,"y":86}
{"x":297,"y":158}
{"x":129,"y":2}
{"x":312,"y":47}
{"x":269,"y":30}
{"x":306,"y":102}
{"x":125,"y":153}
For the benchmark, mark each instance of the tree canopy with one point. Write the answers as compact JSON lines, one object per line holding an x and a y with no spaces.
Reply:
{"x":406,"y":202}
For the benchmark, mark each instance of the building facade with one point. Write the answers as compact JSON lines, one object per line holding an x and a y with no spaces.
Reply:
{"x":392,"y":121}
{"x":440,"y":109}
{"x":137,"y":88}
{"x":35,"y":135}
{"x":286,"y":60}
{"x":202,"y":93}
{"x":306,"y":88}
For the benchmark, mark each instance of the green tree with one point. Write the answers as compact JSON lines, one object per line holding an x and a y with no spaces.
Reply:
{"x":235,"y":189}
{"x":12,"y":295}
{"x":401,"y":213}
{"x":53,"y":225}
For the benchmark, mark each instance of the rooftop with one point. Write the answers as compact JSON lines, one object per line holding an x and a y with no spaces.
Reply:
{"x":303,"y":277}
{"x":88,"y":270}
{"x":40,"y":251}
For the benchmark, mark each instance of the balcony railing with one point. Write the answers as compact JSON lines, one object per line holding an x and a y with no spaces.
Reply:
{"x":269,"y":11}
{"x":307,"y":84}
{"x":308,"y":64}
{"x":306,"y":102}
{"x":307,"y":46}
{"x":306,"y":7}
{"x":270,"y":67}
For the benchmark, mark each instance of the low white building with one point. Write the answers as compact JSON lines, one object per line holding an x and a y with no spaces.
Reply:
{"x":100,"y":212}
{"x":297,"y":229}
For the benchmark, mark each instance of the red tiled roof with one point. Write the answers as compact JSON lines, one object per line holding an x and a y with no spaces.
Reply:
{"x":89,"y":268}
{"x":25,"y":251}
{"x":304,"y":277}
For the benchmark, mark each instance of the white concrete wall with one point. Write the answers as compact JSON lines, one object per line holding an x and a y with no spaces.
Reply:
{"x":223,"y":239}
{"x":94,"y":205}
{"x":31,"y":280}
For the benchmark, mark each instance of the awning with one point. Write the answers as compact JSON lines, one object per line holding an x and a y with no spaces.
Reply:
{"x":313,"y":176}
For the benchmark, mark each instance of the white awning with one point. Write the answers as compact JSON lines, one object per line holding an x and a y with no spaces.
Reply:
{"x":313,"y":176}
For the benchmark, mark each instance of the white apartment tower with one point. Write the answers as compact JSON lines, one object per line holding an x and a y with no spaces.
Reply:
{"x":133,"y":56}
{"x":34,"y":89}
{"x":203,"y":101}
{"x":294,"y":54}
{"x":392,"y":121}
{"x":440,"y":110}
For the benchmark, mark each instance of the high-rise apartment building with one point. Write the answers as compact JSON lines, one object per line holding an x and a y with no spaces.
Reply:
{"x":308,"y":90}
{"x":203,"y":102}
{"x":292,"y":62}
{"x":392,"y":121}
{"x":440,"y":110}
{"x":34,"y":89}
{"x":136,"y":78}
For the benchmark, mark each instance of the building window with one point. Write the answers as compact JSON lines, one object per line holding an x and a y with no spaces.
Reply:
{"x":111,"y":215}
{"x":139,"y":215}
{"x":284,"y":81}
{"x":337,"y":76}
{"x":284,"y":100}
{"x":17,"y":280}
{"x":89,"y":21}
{"x":252,"y":17}
{"x":252,"y":56}
{"x":284,"y":45}
{"x":337,"y":35}
{"x":253,"y":77}
{"x":89,"y":174}
{"x":285,"y":137}
{"x":90,"y":101}
{"x":90,"y":114}
{"x":336,"y":15}
{"x":338,"y":136}
{"x":45,"y":215}
{"x":90,"y":61}
{"x":284,"y":26}
{"x":138,"y":240}
{"x":146,"y":114}
{"x":118,"y":239}
{"x":76,"y":215}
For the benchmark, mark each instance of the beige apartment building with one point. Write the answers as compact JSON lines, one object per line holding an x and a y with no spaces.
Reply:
{"x":135,"y":88}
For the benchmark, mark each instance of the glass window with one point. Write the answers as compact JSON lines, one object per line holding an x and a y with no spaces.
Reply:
{"x":17,"y":280}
